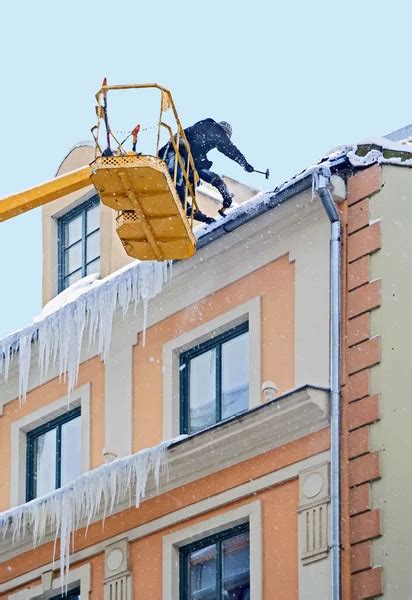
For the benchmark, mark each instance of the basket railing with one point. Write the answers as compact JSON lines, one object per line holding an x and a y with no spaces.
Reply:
{"x":184,"y":166}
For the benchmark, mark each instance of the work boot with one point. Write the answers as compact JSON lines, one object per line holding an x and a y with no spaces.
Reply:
{"x":199,"y":216}
{"x":227,"y":201}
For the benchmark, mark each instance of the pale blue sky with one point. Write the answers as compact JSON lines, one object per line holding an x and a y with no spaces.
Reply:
{"x":294,"y":78}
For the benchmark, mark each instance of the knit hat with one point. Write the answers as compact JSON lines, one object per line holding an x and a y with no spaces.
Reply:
{"x":227,"y":128}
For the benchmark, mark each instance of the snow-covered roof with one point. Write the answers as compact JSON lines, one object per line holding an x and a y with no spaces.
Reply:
{"x":89,"y":306}
{"x":60,"y":329}
{"x":400,"y":134}
{"x":365,"y":154}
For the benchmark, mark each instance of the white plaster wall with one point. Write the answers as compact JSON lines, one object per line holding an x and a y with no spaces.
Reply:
{"x":393,"y":379}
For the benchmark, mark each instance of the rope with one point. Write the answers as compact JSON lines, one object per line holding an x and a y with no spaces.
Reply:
{"x":130,"y":132}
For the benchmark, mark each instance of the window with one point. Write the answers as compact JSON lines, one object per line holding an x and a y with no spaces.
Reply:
{"x":78,"y":581}
{"x":72,"y":595}
{"x":53,"y":454}
{"x":217,"y":567}
{"x":214,"y":380}
{"x":79,"y":243}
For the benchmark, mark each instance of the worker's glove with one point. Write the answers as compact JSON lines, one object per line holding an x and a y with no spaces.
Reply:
{"x":204,"y":165}
{"x":249,"y":168}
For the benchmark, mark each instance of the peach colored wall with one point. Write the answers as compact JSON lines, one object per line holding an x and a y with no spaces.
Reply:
{"x":275,"y":283}
{"x":91,"y":371}
{"x":174,"y":500}
{"x":97,"y":577}
{"x":280,"y":550}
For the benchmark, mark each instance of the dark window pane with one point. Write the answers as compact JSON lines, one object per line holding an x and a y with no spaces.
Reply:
{"x":73,"y":278}
{"x":73,"y":230}
{"x":70,"y":451}
{"x":202,"y":565}
{"x":93,"y":267}
{"x":217,"y":567}
{"x":93,"y":218}
{"x":79,"y":243}
{"x":235,"y":557}
{"x":73,"y":258}
{"x":235,"y":375}
{"x":45,"y":463}
{"x":73,"y":595}
{"x":93,"y":246}
{"x":203,"y":390}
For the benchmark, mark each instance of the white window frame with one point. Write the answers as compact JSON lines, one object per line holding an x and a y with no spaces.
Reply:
{"x":20,"y":428}
{"x":249,"y":311}
{"x":250,"y":512}
{"x":76,"y":577}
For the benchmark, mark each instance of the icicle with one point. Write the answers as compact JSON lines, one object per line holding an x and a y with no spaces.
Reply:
{"x":77,"y":504}
{"x":24,"y":364}
{"x":59,"y":335}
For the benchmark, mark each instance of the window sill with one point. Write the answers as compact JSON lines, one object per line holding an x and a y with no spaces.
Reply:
{"x":293,"y":415}
{"x":289,"y":417}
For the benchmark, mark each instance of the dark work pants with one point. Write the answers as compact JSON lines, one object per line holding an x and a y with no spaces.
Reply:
{"x":208,"y":176}
{"x":217,"y":182}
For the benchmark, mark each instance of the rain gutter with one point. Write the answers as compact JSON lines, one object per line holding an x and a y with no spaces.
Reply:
{"x":316,"y":178}
{"x":321,"y":185}
{"x":271,"y":200}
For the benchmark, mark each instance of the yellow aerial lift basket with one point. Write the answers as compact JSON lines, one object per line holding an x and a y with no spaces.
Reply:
{"x":151,"y":218}
{"x":151,"y":221}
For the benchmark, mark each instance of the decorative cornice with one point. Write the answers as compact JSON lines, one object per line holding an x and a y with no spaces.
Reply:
{"x":293,"y":415}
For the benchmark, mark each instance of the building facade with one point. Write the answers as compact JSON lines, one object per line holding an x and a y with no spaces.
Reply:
{"x":212,"y":405}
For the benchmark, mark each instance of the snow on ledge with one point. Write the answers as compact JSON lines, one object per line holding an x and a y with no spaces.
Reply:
{"x":88,"y":306}
{"x":79,"y":503}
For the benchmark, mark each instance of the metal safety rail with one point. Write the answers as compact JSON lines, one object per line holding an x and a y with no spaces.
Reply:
{"x":178,"y":141}
{"x":155,"y":220}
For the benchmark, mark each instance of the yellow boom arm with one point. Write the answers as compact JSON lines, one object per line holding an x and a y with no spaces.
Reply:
{"x":46,"y":192}
{"x":153,"y":200}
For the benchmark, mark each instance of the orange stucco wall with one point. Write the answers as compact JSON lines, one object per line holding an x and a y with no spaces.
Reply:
{"x":184,"y":496}
{"x":275,"y":283}
{"x":97,"y":578}
{"x":280,"y":551}
{"x":91,"y":372}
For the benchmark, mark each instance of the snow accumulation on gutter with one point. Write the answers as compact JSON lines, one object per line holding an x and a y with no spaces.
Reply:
{"x":90,"y":306}
{"x":95,"y":494}
{"x":375,"y":151}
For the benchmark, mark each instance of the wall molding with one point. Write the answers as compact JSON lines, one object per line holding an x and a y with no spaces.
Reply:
{"x":199,"y":508}
{"x":80,"y":576}
{"x":247,"y":513}
{"x":292,"y":416}
{"x":19,"y":428}
{"x":249,"y":311}
{"x":274,"y":234}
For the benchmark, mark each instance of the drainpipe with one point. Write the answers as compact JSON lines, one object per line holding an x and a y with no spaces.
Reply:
{"x":321,"y":184}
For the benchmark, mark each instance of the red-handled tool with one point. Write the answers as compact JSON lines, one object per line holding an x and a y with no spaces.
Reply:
{"x":135,"y":133}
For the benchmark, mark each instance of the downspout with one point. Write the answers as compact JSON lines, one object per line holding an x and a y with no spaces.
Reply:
{"x":321,"y":184}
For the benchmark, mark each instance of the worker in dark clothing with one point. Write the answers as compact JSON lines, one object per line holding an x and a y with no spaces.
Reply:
{"x":204,"y":136}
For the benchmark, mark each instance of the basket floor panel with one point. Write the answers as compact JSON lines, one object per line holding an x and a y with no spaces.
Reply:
{"x":144,"y":187}
{"x":172,"y":250}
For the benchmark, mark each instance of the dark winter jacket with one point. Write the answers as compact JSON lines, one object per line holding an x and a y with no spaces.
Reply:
{"x":206,"y":135}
